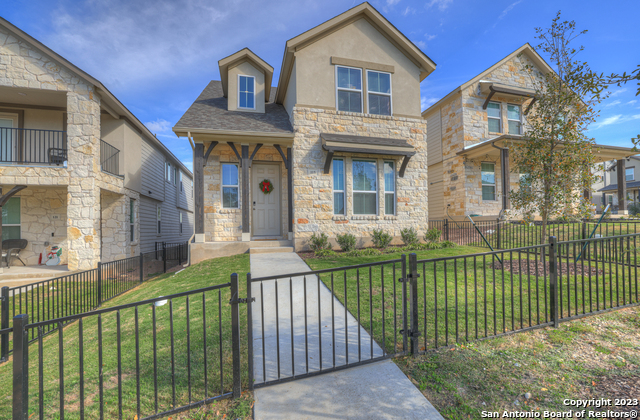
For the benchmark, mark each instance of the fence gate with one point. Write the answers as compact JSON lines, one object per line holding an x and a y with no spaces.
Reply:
{"x":305,"y":324}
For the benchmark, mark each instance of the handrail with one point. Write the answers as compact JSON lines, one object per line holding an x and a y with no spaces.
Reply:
{"x":109,"y":158}
{"x":29,"y":146}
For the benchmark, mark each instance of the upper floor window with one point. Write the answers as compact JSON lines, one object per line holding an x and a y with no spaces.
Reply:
{"x":515,"y":119}
{"x":167,"y":172}
{"x":379,"y":92}
{"x":493,"y":117}
{"x":338,"y":186}
{"x":488,"y":176}
{"x":365,"y":191}
{"x":175,"y":175}
{"x":246,"y":92}
{"x":181,"y":188}
{"x":229,"y":186}
{"x":349,"y":89}
{"x":628,"y":174}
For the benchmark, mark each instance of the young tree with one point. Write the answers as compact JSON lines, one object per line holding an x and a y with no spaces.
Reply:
{"x":555,"y":155}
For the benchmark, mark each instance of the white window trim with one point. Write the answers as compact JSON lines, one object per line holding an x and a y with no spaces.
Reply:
{"x":518,"y":120}
{"x":168,"y":171}
{"x":180,"y":213}
{"x":158,"y":220}
{"x":350,"y":90}
{"x":394,"y":187}
{"x":379,"y":93}
{"x":181,"y":187}
{"x":495,"y":185}
{"x":343,"y":190}
{"x":633,"y":174}
{"x":222,"y":185}
{"x":254,"y":91}
{"x":499,"y":117}
{"x":353,"y":190}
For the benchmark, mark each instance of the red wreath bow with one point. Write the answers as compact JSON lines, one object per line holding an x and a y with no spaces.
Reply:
{"x":266,"y":186}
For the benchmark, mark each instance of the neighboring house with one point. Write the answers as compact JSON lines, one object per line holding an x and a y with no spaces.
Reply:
{"x":606,"y":188}
{"x":99,"y":185}
{"x":340,"y":139}
{"x":468,"y":136}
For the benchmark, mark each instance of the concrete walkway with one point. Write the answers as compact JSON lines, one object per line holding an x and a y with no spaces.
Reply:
{"x":374,"y":391}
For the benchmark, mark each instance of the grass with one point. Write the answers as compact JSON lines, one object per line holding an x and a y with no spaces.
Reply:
{"x":465,"y":299}
{"x":219,"y":358}
{"x":579,"y":360}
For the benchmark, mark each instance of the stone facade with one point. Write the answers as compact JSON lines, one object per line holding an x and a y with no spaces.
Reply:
{"x":313,"y":193}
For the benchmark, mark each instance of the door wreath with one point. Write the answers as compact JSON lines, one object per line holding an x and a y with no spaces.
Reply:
{"x":266,"y":186}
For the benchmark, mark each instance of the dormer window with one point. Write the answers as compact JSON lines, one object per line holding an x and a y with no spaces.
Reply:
{"x":349,"y":89}
{"x":379,"y":92}
{"x":246,"y":92}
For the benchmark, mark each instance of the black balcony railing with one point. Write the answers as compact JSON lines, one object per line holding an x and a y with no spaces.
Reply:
{"x":109,"y":158}
{"x":32,"y":147}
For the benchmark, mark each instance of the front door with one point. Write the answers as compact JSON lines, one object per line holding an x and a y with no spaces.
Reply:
{"x":266,"y":207}
{"x":7,"y":146}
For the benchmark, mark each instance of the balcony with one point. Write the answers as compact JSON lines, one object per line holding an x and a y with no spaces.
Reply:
{"x":109,"y":158}
{"x":26,"y":146}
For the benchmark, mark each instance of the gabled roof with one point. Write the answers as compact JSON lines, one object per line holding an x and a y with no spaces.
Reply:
{"x":209,"y":114}
{"x":108,"y":100}
{"x":241,"y":56}
{"x":526,"y":49}
{"x":363,"y":10}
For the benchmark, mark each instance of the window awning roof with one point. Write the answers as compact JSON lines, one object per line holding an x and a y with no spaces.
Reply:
{"x":333,"y":143}
{"x":491,"y":88}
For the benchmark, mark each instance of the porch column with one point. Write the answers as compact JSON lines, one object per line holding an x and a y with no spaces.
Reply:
{"x":246,"y":205}
{"x":198,"y":184}
{"x":290,"y":191}
{"x":622,"y":187}
{"x":504,"y":160}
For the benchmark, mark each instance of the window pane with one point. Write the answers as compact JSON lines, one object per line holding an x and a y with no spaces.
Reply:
{"x":250,"y":100}
{"x":10,"y":232}
{"x":389,"y":200}
{"x":11,"y":212}
{"x":243,"y":100}
{"x":379,"y":82}
{"x":364,"y":176}
{"x":338,"y":203}
{"x":131,"y":213}
{"x":250,"y":84}
{"x":379,"y":105}
{"x":338,"y":175}
{"x":364,"y":203}
{"x":494,"y":125}
{"x":493,"y":109}
{"x":229,"y":175}
{"x":488,"y":192}
{"x":349,"y":101}
{"x":629,"y":174}
{"x":354,"y":79}
{"x":343,"y":77}
{"x":514,"y":127}
{"x":243,"y":84}
{"x":230,"y":197}
{"x":389,"y":178}
{"x":487,"y":172}
{"x":513,"y":112}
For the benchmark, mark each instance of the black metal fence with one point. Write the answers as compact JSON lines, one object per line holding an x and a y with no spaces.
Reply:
{"x":109,"y":158}
{"x":83,"y":291}
{"x":30,"y":146}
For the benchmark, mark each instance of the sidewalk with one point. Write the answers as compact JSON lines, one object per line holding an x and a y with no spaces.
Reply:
{"x":374,"y":391}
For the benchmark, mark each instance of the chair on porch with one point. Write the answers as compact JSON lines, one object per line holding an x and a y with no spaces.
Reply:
{"x":11,"y":248}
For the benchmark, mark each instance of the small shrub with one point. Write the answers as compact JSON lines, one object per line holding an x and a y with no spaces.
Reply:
{"x":431,"y":245}
{"x":325,"y":253}
{"x":409,"y":236}
{"x":319,"y":242}
{"x":634,"y":209}
{"x":366,"y":252}
{"x":380,"y":238}
{"x":432,"y":235}
{"x":448,"y":244}
{"x":346,"y":241}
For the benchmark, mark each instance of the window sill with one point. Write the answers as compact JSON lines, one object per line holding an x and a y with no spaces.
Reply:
{"x":229,"y":210}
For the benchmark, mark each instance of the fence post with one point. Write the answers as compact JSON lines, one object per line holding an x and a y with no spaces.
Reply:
{"x":179,"y":254}
{"x":235,"y":335}
{"x":584,"y":229}
{"x":413,"y":273}
{"x":250,"y":332}
{"x":4,"y":323}
{"x":164,"y":257}
{"x":446,"y":229}
{"x":499,"y":241}
{"x":553,"y":280}
{"x":20,"y":368}
{"x":405,"y":326}
{"x":99,"y":283}
{"x":141,"y":267}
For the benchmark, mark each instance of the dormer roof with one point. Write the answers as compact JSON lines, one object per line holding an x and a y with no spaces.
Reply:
{"x":239,"y":57}
{"x":363,"y":10}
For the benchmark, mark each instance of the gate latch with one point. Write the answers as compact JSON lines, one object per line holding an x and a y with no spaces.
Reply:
{"x":411,"y":333}
{"x":408,"y":278}
{"x":242,"y":300}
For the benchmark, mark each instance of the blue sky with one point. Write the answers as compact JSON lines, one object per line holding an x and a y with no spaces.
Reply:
{"x":156,"y":56}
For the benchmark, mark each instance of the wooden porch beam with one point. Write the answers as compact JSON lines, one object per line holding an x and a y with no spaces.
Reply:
{"x":206,"y":155}
{"x":403,"y":167}
{"x":258,"y":146}
{"x":327,"y":162}
{"x":233,"y":147}
{"x":486,"y":102}
{"x":290,"y":192}
{"x":284,"y":159}
{"x":198,"y":183}
{"x":245,"y":204}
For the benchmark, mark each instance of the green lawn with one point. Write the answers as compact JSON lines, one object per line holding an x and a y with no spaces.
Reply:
{"x":219,"y":359}
{"x":464,"y":299}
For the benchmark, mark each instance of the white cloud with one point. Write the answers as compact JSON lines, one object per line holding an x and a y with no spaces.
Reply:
{"x":440,"y":4}
{"x":508,"y":9}
{"x":618,"y":92}
{"x":409,"y":10}
{"x":420,"y":44}
{"x":614,"y":103}
{"x":158,"y":126}
{"x":189,"y":165}
{"x":617,"y":119}
{"x":427,"y":102}
{"x":429,"y":36}
{"x":392,"y":2}
{"x":631,"y":102}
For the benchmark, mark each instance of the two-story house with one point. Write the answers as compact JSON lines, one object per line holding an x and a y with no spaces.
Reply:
{"x":606,"y":186}
{"x":469,"y":132}
{"x":83,"y":179}
{"x":337,"y":146}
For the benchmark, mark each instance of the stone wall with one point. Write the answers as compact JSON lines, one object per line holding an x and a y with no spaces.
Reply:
{"x":313,"y":199}
{"x":222,"y":224}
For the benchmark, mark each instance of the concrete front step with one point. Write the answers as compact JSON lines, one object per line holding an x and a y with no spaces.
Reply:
{"x":270,"y":250}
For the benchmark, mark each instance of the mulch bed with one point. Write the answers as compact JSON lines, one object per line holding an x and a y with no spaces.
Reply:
{"x":523,"y":266}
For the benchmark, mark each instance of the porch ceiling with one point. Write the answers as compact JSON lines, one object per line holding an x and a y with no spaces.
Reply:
{"x":32,"y":97}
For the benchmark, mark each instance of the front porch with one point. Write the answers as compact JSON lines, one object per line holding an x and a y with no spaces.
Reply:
{"x":17,"y":275}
